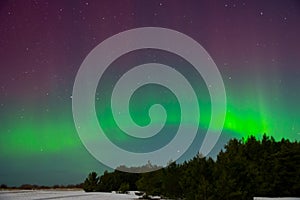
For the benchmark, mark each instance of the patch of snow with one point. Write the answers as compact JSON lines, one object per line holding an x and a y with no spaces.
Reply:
{"x":61,"y":195}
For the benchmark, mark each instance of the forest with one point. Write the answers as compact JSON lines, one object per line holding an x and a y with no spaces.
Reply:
{"x":242,"y":170}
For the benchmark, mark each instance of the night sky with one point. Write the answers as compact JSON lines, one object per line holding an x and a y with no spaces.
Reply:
{"x":255,"y":44}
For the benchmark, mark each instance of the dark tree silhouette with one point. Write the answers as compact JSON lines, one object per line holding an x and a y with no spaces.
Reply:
{"x":91,"y":183}
{"x":244,"y":169}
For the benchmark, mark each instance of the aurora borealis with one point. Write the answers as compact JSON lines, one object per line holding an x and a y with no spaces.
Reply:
{"x":255,"y":45}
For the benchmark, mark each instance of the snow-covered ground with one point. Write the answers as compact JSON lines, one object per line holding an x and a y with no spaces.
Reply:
{"x":61,"y":195}
{"x":279,"y":198}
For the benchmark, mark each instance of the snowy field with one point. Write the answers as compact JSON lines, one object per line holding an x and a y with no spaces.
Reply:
{"x":282,"y":198}
{"x":63,"y":195}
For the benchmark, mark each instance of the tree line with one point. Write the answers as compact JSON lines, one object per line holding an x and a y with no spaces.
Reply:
{"x":41,"y":187}
{"x":243,"y":169}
